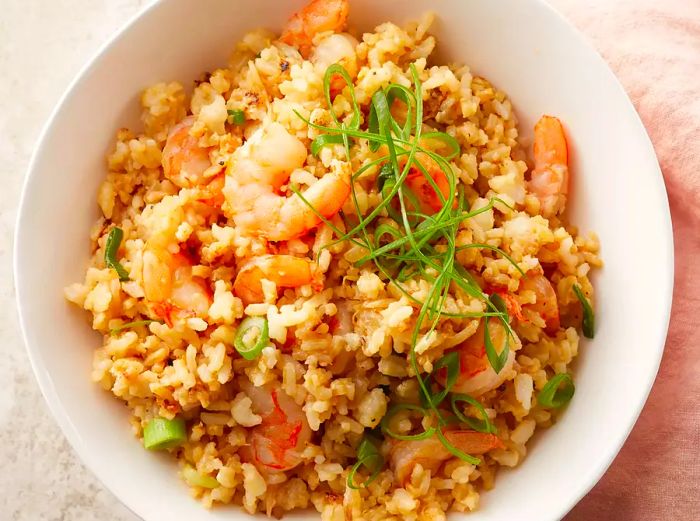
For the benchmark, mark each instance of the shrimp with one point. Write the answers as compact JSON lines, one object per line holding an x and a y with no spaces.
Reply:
{"x":429,"y":199}
{"x":285,"y":271}
{"x":336,"y":48}
{"x":276,"y":443}
{"x":184,"y":161}
{"x":317,"y":16}
{"x":171,"y":288}
{"x":550,"y":178}
{"x":431,"y":453}
{"x":476,"y":376}
{"x":546,"y":304}
{"x":259,"y":169}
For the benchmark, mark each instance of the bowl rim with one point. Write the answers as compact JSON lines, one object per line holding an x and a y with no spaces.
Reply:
{"x":61,"y":417}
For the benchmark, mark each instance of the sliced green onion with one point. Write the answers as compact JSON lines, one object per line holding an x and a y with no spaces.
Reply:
{"x":129,"y":325}
{"x":497,"y":360}
{"x":450,"y":362}
{"x":498,"y":302}
{"x":393,"y":410}
{"x":161,"y":433}
{"x":257,"y":328}
{"x":195,"y":479}
{"x":368,"y":456}
{"x":385,"y":173}
{"x":552,"y":396}
{"x":325,"y":140}
{"x":114,"y":240}
{"x":236,"y":117}
{"x":455,"y":451}
{"x":588,"y":316}
{"x":483,"y":425}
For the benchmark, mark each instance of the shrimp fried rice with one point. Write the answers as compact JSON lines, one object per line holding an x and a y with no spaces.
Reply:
{"x":331,"y":277}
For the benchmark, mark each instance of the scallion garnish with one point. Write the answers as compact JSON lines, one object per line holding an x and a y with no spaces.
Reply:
{"x":195,"y":479}
{"x":553,"y":395}
{"x":162,"y":433}
{"x":114,"y":240}
{"x":252,"y":335}
{"x":128,"y":325}
{"x":236,"y":117}
{"x":417,"y":244}
{"x":588,"y":316}
{"x":368,"y":456}
{"x":482,"y":425}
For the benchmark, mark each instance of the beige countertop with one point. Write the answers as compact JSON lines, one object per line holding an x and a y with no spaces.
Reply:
{"x":43,"y":44}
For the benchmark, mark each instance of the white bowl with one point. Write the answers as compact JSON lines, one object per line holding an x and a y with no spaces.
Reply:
{"x":525,"y":48}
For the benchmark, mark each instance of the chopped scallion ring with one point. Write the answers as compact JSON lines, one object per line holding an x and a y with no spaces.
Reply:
{"x":483,"y":425}
{"x":554,"y":397}
{"x":114,"y":240}
{"x":368,"y":456}
{"x":251,"y":337}
{"x":161,"y":433}
{"x":236,"y":117}
{"x":588,"y":315}
{"x":195,"y":479}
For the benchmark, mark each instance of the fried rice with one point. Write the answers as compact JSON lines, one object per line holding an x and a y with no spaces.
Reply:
{"x":339,"y":345}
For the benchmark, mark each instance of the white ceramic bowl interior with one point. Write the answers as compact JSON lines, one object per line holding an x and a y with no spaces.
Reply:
{"x":523,"y":47}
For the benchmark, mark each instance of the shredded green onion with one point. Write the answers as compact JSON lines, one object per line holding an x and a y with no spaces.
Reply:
{"x":252,"y":335}
{"x":482,"y":425}
{"x":497,"y":360}
{"x":416,"y":244}
{"x":236,"y":117}
{"x":195,"y":479}
{"x":114,"y":240}
{"x":161,"y":433}
{"x":325,"y":140}
{"x":368,"y":456}
{"x":498,"y":302}
{"x":129,"y":325}
{"x":553,"y":395}
{"x":588,"y":316}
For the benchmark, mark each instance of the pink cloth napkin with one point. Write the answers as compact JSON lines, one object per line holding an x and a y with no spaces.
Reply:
{"x":654,"y":48}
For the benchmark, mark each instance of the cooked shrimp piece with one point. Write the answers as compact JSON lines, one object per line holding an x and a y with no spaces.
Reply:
{"x":286,"y":271}
{"x":336,"y":48}
{"x":184,"y":161}
{"x":430,"y":200}
{"x":476,"y":376}
{"x":171,"y":288}
{"x":550,"y":178}
{"x":259,"y":168}
{"x":317,"y":16}
{"x":431,"y":453}
{"x":277,"y":442}
{"x":546,"y":304}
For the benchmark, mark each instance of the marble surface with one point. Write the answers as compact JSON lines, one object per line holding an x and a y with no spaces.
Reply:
{"x":43,"y":44}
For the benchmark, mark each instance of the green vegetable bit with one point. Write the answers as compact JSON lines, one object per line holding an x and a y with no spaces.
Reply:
{"x":114,"y":240}
{"x":483,"y":425}
{"x":130,"y":325}
{"x":195,"y":479}
{"x":415,"y":244}
{"x":554,"y":397}
{"x":368,"y":456}
{"x":251,"y":337}
{"x":161,"y":433}
{"x":236,"y":117}
{"x":588,"y":316}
